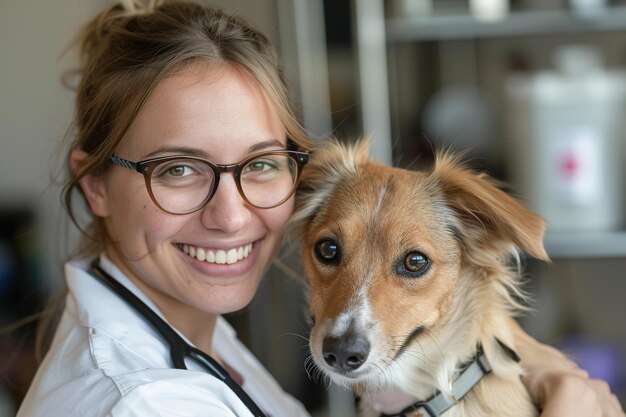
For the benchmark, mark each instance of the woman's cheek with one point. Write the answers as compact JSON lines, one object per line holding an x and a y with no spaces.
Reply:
{"x":277,"y":220}
{"x":141,"y":229}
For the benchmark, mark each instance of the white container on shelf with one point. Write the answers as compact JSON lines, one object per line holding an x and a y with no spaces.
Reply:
{"x":567,"y":134}
{"x":489,"y":10}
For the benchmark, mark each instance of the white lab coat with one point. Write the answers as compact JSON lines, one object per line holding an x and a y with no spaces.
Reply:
{"x":105,"y":360}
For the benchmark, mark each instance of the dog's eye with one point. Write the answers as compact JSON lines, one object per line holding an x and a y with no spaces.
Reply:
{"x":327,"y":251}
{"x":415,"y":264}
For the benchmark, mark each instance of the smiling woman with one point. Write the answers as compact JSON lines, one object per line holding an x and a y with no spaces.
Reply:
{"x":145,"y":240}
{"x":192,"y":99}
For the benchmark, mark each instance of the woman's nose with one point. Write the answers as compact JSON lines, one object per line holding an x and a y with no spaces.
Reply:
{"x":227,"y":210}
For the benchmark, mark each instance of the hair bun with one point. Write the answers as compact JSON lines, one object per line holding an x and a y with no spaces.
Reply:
{"x":94,"y":37}
{"x":138,"y":7}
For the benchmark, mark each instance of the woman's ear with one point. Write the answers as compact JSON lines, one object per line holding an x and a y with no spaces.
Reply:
{"x":92,"y":186}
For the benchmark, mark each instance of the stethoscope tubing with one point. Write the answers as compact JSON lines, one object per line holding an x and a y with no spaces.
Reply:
{"x":179,"y":349}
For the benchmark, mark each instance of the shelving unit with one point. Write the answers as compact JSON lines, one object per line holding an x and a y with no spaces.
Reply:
{"x":375,"y":32}
{"x":586,"y":245}
{"x":515,"y":24}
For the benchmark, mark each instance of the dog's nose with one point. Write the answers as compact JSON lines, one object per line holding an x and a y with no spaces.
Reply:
{"x":345,"y":353}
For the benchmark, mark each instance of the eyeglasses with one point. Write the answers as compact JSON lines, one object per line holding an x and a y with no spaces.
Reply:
{"x":184,"y":184}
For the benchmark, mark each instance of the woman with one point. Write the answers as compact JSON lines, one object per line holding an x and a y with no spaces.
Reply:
{"x":183,"y":158}
{"x":178,"y":85}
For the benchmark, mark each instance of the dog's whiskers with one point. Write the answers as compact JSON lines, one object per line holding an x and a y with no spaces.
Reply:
{"x":306,"y":339}
{"x":312,"y":370}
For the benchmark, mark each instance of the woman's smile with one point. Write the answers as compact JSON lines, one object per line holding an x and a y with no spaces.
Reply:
{"x":218,"y":256}
{"x":229,"y":261}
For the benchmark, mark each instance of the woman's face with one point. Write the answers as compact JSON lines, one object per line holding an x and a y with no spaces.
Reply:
{"x":222,"y":115}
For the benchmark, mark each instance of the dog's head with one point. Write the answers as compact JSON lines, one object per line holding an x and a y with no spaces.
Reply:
{"x":385,"y":250}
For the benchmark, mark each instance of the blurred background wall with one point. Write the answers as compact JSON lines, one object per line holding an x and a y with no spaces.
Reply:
{"x":533,"y":90}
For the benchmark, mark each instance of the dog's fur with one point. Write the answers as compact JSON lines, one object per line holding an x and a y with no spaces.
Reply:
{"x":420,"y":329}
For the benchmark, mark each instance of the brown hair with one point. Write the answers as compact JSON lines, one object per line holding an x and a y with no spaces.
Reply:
{"x":128,"y":49}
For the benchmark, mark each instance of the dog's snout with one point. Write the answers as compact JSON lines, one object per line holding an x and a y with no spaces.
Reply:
{"x":345,"y":353}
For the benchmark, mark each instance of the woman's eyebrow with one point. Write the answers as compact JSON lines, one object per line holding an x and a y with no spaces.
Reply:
{"x":179,"y":150}
{"x":189,"y":151}
{"x":266,"y":144}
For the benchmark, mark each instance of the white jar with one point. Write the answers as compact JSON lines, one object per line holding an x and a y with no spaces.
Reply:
{"x":489,"y":10}
{"x":567,"y":140}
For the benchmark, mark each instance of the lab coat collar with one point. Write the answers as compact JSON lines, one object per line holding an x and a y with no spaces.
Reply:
{"x":108,"y":317}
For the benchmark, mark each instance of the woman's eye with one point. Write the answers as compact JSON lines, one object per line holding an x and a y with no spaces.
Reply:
{"x":258,"y":166}
{"x":176,"y":169}
{"x":327,"y":251}
{"x":415,"y":264}
{"x":179,"y":171}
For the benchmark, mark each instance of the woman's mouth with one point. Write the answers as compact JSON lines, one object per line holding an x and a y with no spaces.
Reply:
{"x":218,"y":256}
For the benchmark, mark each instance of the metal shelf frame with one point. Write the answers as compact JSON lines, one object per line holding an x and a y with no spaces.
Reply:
{"x":565,"y":245}
{"x":527,"y":23}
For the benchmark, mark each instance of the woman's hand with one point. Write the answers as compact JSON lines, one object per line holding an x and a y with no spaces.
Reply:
{"x":560,"y":386}
{"x":569,"y":394}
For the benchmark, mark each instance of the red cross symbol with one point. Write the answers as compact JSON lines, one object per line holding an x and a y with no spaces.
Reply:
{"x":569,"y":165}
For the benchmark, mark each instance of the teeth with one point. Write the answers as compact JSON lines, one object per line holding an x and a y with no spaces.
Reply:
{"x":219,"y":256}
{"x":231,"y":256}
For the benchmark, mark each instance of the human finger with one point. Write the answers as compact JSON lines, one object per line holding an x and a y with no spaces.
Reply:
{"x":609,"y":403}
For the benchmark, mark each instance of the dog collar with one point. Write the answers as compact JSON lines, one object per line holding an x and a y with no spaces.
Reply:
{"x":471,"y":374}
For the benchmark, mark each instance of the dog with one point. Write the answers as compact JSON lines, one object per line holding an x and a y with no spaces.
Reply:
{"x":414,"y":279}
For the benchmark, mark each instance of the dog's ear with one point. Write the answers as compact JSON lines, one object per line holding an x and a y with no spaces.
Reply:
{"x":330,"y":163}
{"x":486,"y":214}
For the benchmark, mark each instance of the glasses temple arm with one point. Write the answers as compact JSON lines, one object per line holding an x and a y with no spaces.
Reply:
{"x":124,"y":163}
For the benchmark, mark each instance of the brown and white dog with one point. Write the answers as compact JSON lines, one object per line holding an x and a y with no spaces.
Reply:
{"x":413,"y":276}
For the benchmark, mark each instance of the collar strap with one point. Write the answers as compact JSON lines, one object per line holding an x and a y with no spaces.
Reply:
{"x":471,"y":375}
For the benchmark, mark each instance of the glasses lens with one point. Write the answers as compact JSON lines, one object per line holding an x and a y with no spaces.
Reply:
{"x":181,"y":185}
{"x":269,"y":179}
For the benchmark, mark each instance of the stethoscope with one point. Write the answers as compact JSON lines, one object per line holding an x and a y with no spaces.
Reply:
{"x":179,"y":349}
